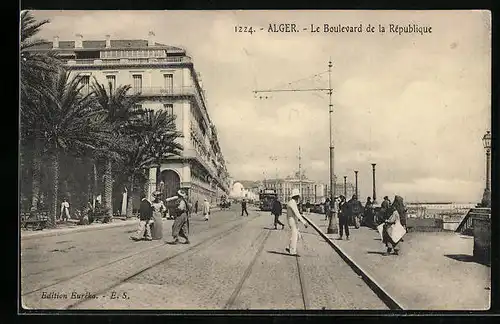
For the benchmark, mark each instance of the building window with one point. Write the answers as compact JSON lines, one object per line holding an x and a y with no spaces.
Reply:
{"x":168,"y":81}
{"x":137,"y":83}
{"x":137,"y":107}
{"x":169,"y":108}
{"x":86,"y":83}
{"x":111,"y":80}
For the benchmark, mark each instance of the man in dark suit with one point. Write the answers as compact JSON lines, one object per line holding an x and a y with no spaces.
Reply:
{"x":277,"y":210}
{"x":244,"y":207}
{"x":145,"y":215}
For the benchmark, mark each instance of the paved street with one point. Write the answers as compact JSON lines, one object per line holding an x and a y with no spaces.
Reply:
{"x":233,"y":262}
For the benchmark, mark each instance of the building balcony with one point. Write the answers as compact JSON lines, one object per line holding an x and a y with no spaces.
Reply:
{"x":174,"y":92}
{"x":129,"y":61}
{"x":163,"y":91}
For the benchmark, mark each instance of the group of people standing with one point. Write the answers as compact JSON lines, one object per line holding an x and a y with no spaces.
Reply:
{"x":348,"y":212}
{"x":151,"y":220}
{"x":391,"y":218}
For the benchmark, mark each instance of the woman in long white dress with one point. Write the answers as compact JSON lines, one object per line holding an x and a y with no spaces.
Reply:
{"x":158,"y":208}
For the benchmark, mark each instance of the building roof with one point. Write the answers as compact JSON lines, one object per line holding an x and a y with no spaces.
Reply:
{"x":101,"y":44}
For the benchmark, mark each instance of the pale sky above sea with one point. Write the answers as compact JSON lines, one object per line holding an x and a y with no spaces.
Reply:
{"x":417,"y":105}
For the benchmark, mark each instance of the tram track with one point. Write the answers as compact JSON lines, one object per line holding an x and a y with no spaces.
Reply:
{"x":202,"y":244}
{"x":248,"y":271}
{"x":303,"y":287}
{"x":142,"y":252}
{"x":381,"y":293}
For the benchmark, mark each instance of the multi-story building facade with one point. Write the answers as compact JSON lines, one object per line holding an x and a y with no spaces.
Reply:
{"x":312,"y":191}
{"x":165,"y":78}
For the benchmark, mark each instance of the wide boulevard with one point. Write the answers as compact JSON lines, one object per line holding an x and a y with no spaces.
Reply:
{"x":233,"y":262}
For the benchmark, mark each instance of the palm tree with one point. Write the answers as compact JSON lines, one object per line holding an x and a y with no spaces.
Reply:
{"x":152,"y":138}
{"x":66,"y":121}
{"x":36,"y":68}
{"x":119,"y":111}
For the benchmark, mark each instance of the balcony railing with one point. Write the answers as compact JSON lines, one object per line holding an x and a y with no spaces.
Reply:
{"x":163,"y":91}
{"x":114,"y":61}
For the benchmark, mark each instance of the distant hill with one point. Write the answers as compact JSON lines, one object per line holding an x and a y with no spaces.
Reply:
{"x":247,"y":184}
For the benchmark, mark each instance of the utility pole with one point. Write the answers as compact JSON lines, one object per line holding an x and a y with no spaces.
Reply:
{"x":300,"y":175}
{"x":374,"y":194}
{"x":332,"y":145}
{"x":356,"y":176}
{"x":331,"y":228}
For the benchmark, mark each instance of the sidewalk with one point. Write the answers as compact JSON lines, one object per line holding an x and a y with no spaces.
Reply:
{"x":434,"y":271}
{"x":67,"y":228}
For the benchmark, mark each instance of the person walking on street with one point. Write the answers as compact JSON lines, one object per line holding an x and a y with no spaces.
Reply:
{"x":65,"y":210}
{"x":308,"y":207}
{"x":244,"y":207}
{"x":277,"y":210}
{"x":400,"y":207}
{"x":328,"y":209}
{"x":343,"y":218}
{"x":354,"y":210}
{"x":206,"y":209}
{"x":196,"y":206}
{"x":393,"y":231}
{"x":384,"y":208}
{"x":158,"y":207}
{"x":293,"y":217}
{"x":145,"y":215}
{"x":180,"y":226}
{"x":368,"y":212}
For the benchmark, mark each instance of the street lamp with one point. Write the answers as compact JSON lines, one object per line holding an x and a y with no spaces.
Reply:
{"x":345,"y":186}
{"x":356,"y":181}
{"x":374,"y":191}
{"x":486,"y":201}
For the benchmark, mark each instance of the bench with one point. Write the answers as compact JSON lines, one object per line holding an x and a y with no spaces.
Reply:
{"x":35,"y":220}
{"x":36,"y":224}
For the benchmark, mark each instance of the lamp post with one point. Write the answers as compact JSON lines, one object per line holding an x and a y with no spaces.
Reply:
{"x":356,"y":182}
{"x":345,"y":186}
{"x":374,"y":191}
{"x":486,"y":201}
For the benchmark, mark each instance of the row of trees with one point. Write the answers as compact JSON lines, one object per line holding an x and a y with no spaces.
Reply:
{"x":100,"y":131}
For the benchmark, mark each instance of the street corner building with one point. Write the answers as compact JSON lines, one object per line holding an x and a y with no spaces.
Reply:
{"x":165,"y":79}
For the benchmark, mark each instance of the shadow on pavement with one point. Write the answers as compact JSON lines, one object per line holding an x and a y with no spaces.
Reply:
{"x":466,"y":258}
{"x":269,"y":228}
{"x":377,"y":239}
{"x":376,"y":252}
{"x":282,"y":253}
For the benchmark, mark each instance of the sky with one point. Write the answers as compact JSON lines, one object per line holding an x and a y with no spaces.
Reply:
{"x":416,"y":105}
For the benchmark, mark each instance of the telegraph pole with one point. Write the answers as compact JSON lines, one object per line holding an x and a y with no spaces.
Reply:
{"x":300,"y":175}
{"x":332,"y":146}
{"x":331,"y":228}
{"x":356,"y":176}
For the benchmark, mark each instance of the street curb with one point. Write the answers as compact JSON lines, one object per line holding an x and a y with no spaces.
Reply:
{"x":85,"y":228}
{"x":78,"y":229}
{"x":392,"y":303}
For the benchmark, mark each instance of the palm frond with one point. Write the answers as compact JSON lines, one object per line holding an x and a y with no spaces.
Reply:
{"x":30,"y":26}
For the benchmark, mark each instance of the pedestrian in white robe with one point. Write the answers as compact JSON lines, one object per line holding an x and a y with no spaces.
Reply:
{"x":293,"y":217}
{"x":206,"y":209}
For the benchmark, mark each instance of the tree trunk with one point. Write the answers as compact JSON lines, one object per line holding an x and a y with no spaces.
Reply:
{"x":146,"y":185}
{"x":36,"y":175}
{"x":94,"y":187}
{"x":108,"y":189}
{"x":54,"y":189}
{"x":130,"y":197}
